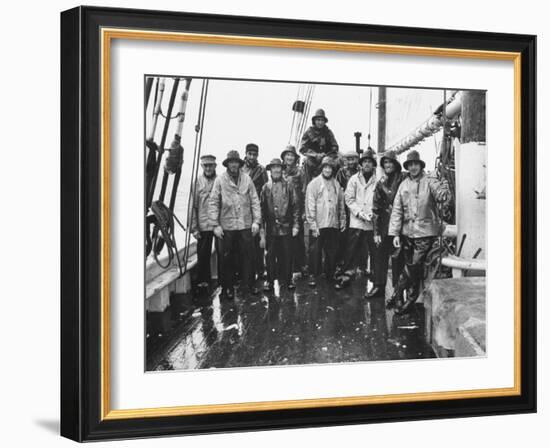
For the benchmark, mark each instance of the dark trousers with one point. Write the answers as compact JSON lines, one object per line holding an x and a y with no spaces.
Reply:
{"x":386,"y":252}
{"x":204,"y":253}
{"x":236,"y":249}
{"x":258,"y":265}
{"x":278,"y":258}
{"x":323,"y":247}
{"x":359,"y":245}
{"x":415,"y":251}
{"x":297,"y":251}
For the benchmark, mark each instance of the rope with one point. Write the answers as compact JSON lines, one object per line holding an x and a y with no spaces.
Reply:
{"x":172,"y":117}
{"x":165,"y":223}
{"x":195,"y":169}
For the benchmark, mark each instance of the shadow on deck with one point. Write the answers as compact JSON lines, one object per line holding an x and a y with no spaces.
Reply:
{"x":306,"y":326}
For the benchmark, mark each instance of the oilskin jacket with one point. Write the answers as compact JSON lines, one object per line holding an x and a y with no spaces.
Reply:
{"x":382,"y":202}
{"x":258,"y":174}
{"x":325,"y":204}
{"x":201,"y":195}
{"x":358,"y":196}
{"x":295,"y":177}
{"x":344,"y":175}
{"x":317,"y":141}
{"x":414,"y":212}
{"x":280,"y":208}
{"x":234,"y":206}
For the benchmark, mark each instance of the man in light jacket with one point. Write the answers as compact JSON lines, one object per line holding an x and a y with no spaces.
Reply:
{"x":234,"y":211}
{"x":201,"y":227}
{"x":414,"y":225}
{"x":358,"y":197}
{"x":326,"y":216}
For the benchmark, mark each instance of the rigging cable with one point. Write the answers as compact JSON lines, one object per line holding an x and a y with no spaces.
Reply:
{"x":195,"y":169}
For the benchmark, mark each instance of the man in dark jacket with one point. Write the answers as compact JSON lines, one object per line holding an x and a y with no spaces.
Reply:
{"x":234,"y":213}
{"x":415,"y":224}
{"x":317,"y":142}
{"x":295,"y":177}
{"x":280,"y":218}
{"x":382,"y":203}
{"x":258,"y":174}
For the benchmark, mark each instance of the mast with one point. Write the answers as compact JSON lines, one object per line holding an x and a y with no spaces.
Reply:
{"x":381,"y":119}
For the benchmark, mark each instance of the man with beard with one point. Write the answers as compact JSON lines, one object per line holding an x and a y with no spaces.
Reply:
{"x":358,"y":197}
{"x":234,"y":211}
{"x":351,"y":162}
{"x":317,"y":142}
{"x":326,"y":217}
{"x":280,"y":216}
{"x":201,"y":227}
{"x":415,"y":224}
{"x":258,"y":174}
{"x":382,"y":203}
{"x":294,"y":176}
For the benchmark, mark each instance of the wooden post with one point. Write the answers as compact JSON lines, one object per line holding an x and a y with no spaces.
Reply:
{"x":381,"y":119}
{"x":473,"y":117}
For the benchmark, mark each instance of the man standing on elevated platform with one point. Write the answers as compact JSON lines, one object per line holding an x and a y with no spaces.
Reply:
{"x":234,"y":211}
{"x":201,"y":227}
{"x":317,"y":142}
{"x":326,"y":217}
{"x":415,"y":224}
{"x":280,"y":216}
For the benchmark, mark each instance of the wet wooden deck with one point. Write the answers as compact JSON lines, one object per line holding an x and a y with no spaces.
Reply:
{"x":306,"y":326}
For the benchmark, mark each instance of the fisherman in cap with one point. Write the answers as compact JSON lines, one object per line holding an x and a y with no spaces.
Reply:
{"x":201,"y":227}
{"x":350,"y":167}
{"x":326,"y":216}
{"x":258,"y":174}
{"x":317,"y":142}
{"x":382,"y":203}
{"x":295,"y":176}
{"x":280,"y":222}
{"x":414,"y":225}
{"x":358,"y":197}
{"x":234,"y":211}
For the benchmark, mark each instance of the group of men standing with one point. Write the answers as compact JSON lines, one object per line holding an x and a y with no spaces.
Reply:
{"x":259,"y":221}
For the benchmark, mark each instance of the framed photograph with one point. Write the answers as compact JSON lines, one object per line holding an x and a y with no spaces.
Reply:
{"x":276,"y":224}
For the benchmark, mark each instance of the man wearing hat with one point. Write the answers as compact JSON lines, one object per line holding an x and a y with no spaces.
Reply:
{"x":295,"y":177}
{"x":280,"y":219}
{"x":351,"y":162}
{"x":317,"y":142}
{"x":358,"y":197}
{"x":415,"y":224}
{"x":234,"y":212}
{"x":326,"y":217}
{"x":201,"y":227}
{"x":258,"y":174}
{"x":382,"y":203}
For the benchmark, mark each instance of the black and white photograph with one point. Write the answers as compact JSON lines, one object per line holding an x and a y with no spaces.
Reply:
{"x":290,"y":223}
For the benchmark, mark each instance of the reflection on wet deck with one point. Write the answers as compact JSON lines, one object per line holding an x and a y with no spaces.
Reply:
{"x":307,"y":326}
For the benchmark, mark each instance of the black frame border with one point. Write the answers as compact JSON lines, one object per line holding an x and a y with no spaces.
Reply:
{"x":81,"y":223}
